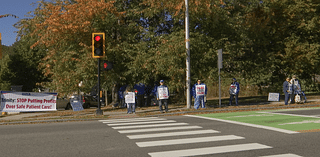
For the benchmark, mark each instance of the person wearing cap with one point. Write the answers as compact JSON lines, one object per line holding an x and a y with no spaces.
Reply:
{"x":234,"y":91}
{"x":199,"y":91}
{"x":287,"y":90}
{"x":163,"y":96}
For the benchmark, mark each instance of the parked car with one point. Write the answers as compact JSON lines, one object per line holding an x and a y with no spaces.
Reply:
{"x":62,"y":103}
{"x":86,"y":100}
{"x":91,"y":101}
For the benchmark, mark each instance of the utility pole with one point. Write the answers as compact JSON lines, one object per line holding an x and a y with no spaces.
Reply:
{"x":0,"y":47}
{"x":188,"y":56}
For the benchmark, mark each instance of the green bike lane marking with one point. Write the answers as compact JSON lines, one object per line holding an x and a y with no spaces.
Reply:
{"x":270,"y":119}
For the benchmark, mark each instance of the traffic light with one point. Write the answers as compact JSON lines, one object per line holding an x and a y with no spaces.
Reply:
{"x":107,"y":65}
{"x":98,"y":48}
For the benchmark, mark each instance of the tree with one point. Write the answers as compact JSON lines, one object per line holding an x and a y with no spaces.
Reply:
{"x":262,"y":41}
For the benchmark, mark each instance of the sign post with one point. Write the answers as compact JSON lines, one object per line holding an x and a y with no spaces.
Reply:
{"x":219,"y":68}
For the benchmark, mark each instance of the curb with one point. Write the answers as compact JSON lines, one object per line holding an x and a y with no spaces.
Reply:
{"x":47,"y":121}
{"x":153,"y":112}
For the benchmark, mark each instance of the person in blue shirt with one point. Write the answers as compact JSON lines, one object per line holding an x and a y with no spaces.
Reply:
{"x":163,"y":96}
{"x":140,"y":87}
{"x":287,"y":90}
{"x":122,"y":96}
{"x":199,"y":91}
{"x":234,"y":91}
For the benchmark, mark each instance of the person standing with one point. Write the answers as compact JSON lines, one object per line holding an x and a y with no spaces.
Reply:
{"x":140,"y":89}
{"x":199,"y":91}
{"x":130,"y":100}
{"x":234,"y":91}
{"x":287,"y":90}
{"x":296,"y":87}
{"x":163,"y":96}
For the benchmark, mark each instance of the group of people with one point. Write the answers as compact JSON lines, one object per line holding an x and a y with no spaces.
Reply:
{"x":292,"y":91}
{"x":291,"y":87}
{"x":199,"y":92}
{"x":162,"y":94}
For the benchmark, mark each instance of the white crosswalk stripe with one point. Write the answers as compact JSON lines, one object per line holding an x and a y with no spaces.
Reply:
{"x":148,"y":126}
{"x":159,"y":125}
{"x":188,"y":140}
{"x":160,"y":129}
{"x":136,"y":123}
{"x":209,"y":150}
{"x":131,"y":120}
{"x":283,"y":155}
{"x":167,"y":134}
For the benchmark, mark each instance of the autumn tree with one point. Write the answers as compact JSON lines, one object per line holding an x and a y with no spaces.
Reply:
{"x":262,"y":41}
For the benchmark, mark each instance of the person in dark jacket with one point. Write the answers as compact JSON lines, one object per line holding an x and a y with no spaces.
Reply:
{"x":234,"y":91}
{"x":140,"y":87}
{"x":162,"y":96}
{"x":287,"y":90}
{"x":199,"y":91}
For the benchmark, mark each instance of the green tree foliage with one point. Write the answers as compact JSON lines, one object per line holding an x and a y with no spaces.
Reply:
{"x":263,"y":41}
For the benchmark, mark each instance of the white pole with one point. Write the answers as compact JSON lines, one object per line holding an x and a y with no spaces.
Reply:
{"x":188,"y":56}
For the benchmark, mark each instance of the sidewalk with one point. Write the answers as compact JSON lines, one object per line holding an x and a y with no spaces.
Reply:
{"x":153,"y":111}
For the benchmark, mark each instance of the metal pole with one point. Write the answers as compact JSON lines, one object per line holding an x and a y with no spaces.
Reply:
{"x":188,"y":56}
{"x":99,"y":111}
{"x":219,"y":89}
{"x":219,"y":67}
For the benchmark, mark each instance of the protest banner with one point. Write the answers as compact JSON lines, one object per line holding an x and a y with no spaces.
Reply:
{"x":130,"y":98}
{"x":274,"y":97}
{"x":163,"y":93}
{"x":27,"y":101}
{"x":200,"y":90}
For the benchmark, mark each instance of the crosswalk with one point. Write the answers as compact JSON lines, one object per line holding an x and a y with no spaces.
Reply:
{"x":150,"y":129}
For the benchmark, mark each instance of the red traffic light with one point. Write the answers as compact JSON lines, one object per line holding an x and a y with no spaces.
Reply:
{"x":98,"y":45}
{"x":107,"y":65}
{"x":97,"y":38}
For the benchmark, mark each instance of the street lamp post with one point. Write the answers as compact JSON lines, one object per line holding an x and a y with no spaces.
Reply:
{"x":188,"y":56}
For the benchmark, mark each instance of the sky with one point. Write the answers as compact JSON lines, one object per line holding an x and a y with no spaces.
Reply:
{"x":19,"y":8}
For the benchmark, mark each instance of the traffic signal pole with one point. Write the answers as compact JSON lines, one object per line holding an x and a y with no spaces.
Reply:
{"x":99,"y":111}
{"x":98,"y":51}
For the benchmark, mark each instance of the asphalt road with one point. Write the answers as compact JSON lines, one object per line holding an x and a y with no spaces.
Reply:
{"x":159,"y":136}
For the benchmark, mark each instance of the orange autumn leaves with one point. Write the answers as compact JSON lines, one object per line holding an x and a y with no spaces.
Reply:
{"x":63,"y":17}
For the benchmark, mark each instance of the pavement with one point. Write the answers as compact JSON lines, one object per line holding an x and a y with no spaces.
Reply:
{"x":33,"y":117}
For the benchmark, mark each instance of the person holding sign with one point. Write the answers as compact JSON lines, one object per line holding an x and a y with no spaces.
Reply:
{"x":130,"y":100}
{"x":234,"y":91}
{"x":295,"y":88}
{"x":199,"y":91}
{"x":287,"y":90}
{"x":163,"y":96}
